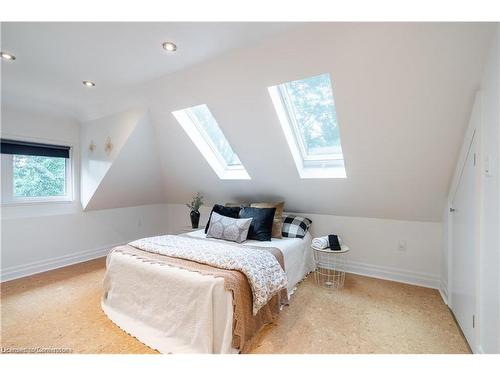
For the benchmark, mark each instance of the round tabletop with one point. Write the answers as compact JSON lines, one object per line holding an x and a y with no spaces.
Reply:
{"x":344,"y":249}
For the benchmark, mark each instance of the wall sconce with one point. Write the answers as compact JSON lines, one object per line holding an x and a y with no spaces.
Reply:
{"x":91,"y":146}
{"x":108,"y":146}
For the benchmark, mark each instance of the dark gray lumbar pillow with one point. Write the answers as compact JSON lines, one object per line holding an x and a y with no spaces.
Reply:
{"x":228,"y":228}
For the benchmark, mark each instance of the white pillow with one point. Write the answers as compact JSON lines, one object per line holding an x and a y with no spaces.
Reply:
{"x":228,"y":228}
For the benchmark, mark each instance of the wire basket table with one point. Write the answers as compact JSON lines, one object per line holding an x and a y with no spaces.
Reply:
{"x":330,"y":267}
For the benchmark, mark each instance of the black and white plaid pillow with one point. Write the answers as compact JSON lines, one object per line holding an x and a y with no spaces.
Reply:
{"x":295,"y":226}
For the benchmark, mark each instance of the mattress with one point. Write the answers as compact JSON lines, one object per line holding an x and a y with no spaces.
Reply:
{"x":174,"y":310}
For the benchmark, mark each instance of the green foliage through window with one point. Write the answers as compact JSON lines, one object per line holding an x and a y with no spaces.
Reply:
{"x":39,"y":176}
{"x":311,"y":108}
{"x":207,"y":125}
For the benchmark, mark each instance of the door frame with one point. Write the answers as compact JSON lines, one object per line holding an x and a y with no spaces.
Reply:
{"x":473,"y":133}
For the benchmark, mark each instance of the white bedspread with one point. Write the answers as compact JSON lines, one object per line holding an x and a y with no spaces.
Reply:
{"x":177,"y":311}
{"x":299,"y":259}
{"x":261,"y":268}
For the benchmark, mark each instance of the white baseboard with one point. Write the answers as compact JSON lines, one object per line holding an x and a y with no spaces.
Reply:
{"x":365,"y":269}
{"x":443,"y":290}
{"x":28,"y":269}
{"x":394,"y":274}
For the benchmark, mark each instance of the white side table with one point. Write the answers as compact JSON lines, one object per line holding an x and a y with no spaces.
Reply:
{"x":330,"y":267}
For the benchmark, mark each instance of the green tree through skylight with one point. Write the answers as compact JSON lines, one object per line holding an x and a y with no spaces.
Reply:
{"x":310,"y":101}
{"x":208,"y":125}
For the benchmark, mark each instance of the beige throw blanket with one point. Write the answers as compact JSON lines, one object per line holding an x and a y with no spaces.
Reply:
{"x":261,"y":268}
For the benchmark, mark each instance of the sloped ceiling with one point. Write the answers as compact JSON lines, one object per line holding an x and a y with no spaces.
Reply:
{"x":403,"y":95}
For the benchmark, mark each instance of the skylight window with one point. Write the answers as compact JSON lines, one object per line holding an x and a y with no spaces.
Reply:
{"x":201,"y":126}
{"x":306,"y":110}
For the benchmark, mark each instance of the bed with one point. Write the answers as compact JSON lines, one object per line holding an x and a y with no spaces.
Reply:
{"x":175,"y":310}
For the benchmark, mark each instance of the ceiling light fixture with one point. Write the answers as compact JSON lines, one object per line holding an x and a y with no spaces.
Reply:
{"x":88,"y":83}
{"x":7,"y":56}
{"x":169,"y":46}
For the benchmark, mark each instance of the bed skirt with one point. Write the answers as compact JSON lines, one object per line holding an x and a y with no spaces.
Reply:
{"x":177,"y":310}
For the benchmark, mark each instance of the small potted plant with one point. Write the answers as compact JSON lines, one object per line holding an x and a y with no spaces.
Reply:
{"x":194,"y":206}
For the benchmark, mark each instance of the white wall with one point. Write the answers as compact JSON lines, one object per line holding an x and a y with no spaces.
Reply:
{"x":96,"y":164}
{"x":39,"y":237}
{"x":131,"y":175}
{"x":489,"y":283}
{"x":373,"y":243}
{"x":488,"y":278}
{"x":39,"y":243}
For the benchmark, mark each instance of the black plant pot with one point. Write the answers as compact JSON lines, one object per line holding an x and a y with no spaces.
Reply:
{"x":195,"y":219}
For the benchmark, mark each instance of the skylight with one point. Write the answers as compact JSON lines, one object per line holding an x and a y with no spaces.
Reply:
{"x":306,"y":111}
{"x":201,"y":126}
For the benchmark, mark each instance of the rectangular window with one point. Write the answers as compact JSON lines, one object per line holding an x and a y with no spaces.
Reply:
{"x":34,"y":172}
{"x":38,"y":176}
{"x":203,"y":130}
{"x":307,"y":114}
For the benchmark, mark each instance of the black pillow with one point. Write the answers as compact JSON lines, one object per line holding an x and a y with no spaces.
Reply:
{"x":224,"y":211}
{"x":262,"y":223}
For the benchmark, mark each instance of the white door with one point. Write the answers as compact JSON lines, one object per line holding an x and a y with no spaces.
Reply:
{"x":464,"y":232}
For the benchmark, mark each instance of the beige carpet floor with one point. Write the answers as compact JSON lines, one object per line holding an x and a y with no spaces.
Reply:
{"x":61,"y":309}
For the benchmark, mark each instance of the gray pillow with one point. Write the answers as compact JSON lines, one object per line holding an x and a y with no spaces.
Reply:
{"x":228,"y":228}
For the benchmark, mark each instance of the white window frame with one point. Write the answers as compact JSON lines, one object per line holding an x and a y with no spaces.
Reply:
{"x":213,"y":157}
{"x":292,"y":120}
{"x":7,"y":183}
{"x":308,"y":166}
{"x":207,"y":139}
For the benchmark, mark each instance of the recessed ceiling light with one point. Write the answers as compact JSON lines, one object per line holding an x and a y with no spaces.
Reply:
{"x":88,"y":83}
{"x":7,"y":56}
{"x":169,"y":46}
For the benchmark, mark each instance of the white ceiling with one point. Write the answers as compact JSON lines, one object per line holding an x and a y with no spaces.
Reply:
{"x":403,"y":96}
{"x":54,"y":58}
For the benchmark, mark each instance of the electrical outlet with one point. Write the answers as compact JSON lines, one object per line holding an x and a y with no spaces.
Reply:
{"x":402,"y":245}
{"x":487,"y":167}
